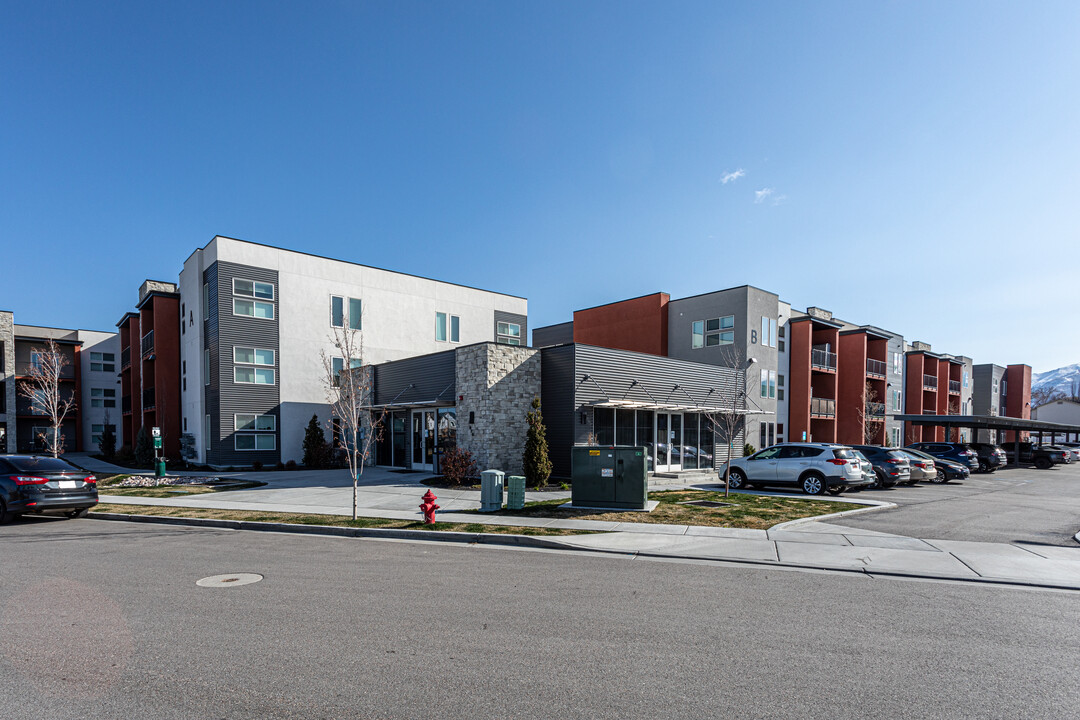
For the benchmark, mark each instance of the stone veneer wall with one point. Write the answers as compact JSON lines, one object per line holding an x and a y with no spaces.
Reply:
{"x":7,"y":376}
{"x":497,"y":383}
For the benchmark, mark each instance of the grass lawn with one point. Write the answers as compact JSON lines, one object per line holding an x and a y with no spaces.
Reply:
{"x":745,"y":511}
{"x":331,"y":520}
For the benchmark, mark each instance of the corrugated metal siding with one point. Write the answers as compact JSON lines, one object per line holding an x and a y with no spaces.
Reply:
{"x":238,"y":397}
{"x":434,"y":376}
{"x":211,"y":391}
{"x":557,"y":404}
{"x":553,"y":335}
{"x":521,"y":320}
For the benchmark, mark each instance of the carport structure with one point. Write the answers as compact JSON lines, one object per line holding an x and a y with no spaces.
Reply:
{"x":988,"y":422}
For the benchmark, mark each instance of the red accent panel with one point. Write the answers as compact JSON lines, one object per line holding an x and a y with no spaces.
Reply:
{"x":1018,"y":395}
{"x":851,"y":383}
{"x":639,"y":324}
{"x":799,"y":381}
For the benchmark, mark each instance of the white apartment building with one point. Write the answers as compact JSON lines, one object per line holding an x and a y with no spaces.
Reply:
{"x":256,"y":319}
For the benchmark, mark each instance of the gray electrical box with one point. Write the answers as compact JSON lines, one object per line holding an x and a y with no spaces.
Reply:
{"x":610,"y":476}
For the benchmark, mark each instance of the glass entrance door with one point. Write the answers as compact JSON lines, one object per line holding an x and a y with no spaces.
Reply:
{"x":669,"y":441}
{"x":423,"y":440}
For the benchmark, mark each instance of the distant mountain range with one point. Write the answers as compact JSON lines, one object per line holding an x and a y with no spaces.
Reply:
{"x":1061,"y":379}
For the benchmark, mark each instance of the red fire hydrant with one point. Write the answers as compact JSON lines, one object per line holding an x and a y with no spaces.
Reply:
{"x":428,"y":507}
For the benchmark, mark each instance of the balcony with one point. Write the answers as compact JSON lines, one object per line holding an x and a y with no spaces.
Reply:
{"x":125,"y":405}
{"x":125,"y":359}
{"x":822,"y":408}
{"x":875,"y":411}
{"x":929,"y":382}
{"x":148,"y":399}
{"x":875,"y":367}
{"x":822,"y":359}
{"x":954,"y":387}
{"x":23,"y":370}
{"x":148,"y":344}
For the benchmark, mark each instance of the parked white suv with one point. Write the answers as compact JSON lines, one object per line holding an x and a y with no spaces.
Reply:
{"x":813,"y":467}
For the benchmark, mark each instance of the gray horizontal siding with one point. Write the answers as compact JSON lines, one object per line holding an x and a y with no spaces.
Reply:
{"x":553,"y":335}
{"x":521,"y":320}
{"x":240,"y":398}
{"x":557,"y":405}
{"x":433,"y":376}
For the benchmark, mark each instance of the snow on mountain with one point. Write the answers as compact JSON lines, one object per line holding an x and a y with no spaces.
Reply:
{"x":1060,"y":379}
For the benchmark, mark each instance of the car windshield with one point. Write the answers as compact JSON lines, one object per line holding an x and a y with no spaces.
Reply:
{"x":41,"y":465}
{"x":897,"y":455}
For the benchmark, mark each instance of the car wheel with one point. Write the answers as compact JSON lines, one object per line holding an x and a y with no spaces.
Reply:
{"x":736,"y":479}
{"x":941,"y":478}
{"x":1042,"y":463}
{"x":984,"y":466}
{"x":80,"y":513}
{"x":813,"y":484}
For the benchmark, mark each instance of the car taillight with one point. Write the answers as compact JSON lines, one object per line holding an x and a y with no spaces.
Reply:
{"x":29,"y":480}
{"x":838,"y":461}
{"x":90,"y":479}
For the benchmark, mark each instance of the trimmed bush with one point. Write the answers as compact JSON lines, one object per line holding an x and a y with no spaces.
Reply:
{"x":458,"y":465}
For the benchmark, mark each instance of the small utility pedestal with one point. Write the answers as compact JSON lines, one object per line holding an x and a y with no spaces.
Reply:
{"x":610,"y":477}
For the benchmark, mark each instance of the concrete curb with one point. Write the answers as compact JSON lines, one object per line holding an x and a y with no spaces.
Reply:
{"x":334,"y":531}
{"x":873,"y":506}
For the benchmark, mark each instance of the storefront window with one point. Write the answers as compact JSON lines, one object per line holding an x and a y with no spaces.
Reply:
{"x":604,"y":425}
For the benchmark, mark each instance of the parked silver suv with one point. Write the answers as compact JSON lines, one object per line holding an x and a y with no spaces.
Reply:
{"x":813,"y":467}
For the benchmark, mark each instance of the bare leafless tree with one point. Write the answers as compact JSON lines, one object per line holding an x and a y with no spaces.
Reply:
{"x":1043,"y":395}
{"x":730,"y":414}
{"x":873,"y":431}
{"x":47,"y":395}
{"x":348,"y":392}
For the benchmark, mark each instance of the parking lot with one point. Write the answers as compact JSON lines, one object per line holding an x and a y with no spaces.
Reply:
{"x":1009,"y":505}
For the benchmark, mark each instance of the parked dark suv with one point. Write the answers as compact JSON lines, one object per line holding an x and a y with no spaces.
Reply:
{"x":40,"y":484}
{"x":1042,"y":457}
{"x":991,"y":456}
{"x":962,"y":453}
{"x":890,"y":465}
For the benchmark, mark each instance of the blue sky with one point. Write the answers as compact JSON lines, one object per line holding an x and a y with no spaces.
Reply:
{"x":911,"y":165}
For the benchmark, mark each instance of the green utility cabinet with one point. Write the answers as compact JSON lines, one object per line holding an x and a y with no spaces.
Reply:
{"x":610,"y":476}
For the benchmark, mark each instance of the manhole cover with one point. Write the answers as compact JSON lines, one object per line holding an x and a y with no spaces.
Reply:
{"x":230,"y":580}
{"x":706,"y":503}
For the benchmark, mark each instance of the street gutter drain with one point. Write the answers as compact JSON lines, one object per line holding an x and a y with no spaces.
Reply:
{"x":706,"y":503}
{"x":230,"y":580}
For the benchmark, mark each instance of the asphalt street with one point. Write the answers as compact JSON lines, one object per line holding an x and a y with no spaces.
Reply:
{"x":105,"y":620}
{"x":1009,"y":505}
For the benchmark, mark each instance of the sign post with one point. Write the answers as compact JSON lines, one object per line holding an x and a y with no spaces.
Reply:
{"x":159,"y":464}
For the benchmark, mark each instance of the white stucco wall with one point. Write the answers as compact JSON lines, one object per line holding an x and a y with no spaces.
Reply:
{"x":94,"y":341}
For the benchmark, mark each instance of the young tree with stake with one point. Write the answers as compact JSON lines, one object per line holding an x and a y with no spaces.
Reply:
{"x":348,"y":392}
{"x":46,"y":394}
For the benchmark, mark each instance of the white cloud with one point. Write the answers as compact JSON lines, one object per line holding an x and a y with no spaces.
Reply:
{"x":762,"y":195}
{"x":732,"y":176}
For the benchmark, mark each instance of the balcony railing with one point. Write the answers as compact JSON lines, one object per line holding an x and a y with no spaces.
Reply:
{"x":148,"y":399}
{"x":23,"y":370}
{"x":125,"y":358}
{"x":875,"y":367}
{"x":148,"y":343}
{"x":822,"y":359}
{"x":929,"y":382}
{"x":822,"y":407}
{"x":875,"y":410}
{"x":954,"y":387}
{"x":125,"y":404}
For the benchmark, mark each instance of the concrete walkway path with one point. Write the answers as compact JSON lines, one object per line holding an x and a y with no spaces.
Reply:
{"x":824,"y":544}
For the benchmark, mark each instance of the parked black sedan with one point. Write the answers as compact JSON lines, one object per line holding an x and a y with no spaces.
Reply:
{"x":44,"y":485}
{"x":946,"y":469}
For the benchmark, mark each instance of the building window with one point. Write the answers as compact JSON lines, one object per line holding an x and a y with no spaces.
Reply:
{"x":185,"y":423}
{"x":206,"y":432}
{"x":896,"y":437}
{"x":338,"y":305}
{"x":443,"y":322}
{"x":254,"y":441}
{"x":103,"y":362}
{"x":697,"y":334}
{"x":246,"y":375}
{"x":253,"y":356}
{"x":719,"y":331}
{"x":206,"y":366}
{"x":508,"y":333}
{"x":440,"y":327}
{"x":779,"y":432}
{"x":780,"y":389}
{"x":768,"y":331}
{"x":455,"y":328}
{"x":764,"y":383}
{"x":965,"y":376}
{"x":766,"y":434}
{"x":772,"y":383}
{"x":102,"y":397}
{"x":255,"y":422}
{"x":336,"y":366}
{"x":898,"y":363}
{"x":253,"y":308}
{"x":97,"y":431}
{"x":780,"y":333}
{"x":253,"y":289}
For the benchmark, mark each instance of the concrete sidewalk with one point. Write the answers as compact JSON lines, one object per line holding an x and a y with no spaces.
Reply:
{"x":803,"y":544}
